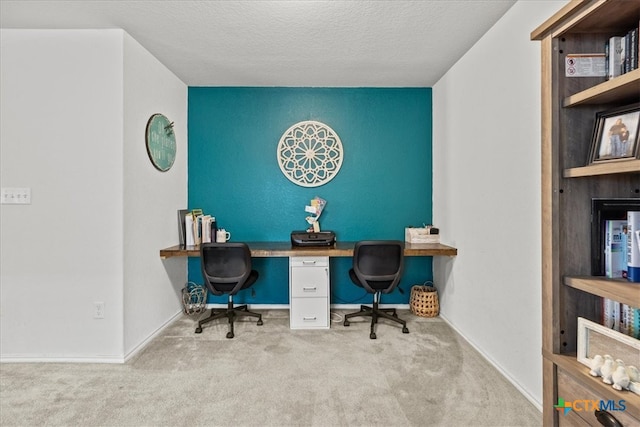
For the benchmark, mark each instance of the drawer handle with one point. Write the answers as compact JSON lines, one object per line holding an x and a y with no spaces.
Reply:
{"x":309,"y":289}
{"x":606,"y":419}
{"x":308,"y":318}
{"x":308,"y":262}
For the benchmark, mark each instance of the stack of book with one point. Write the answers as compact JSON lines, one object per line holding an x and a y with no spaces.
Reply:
{"x":621,"y":317}
{"x":622,"y":260}
{"x":621,"y":53}
{"x":622,"y":247}
{"x":194,"y":227}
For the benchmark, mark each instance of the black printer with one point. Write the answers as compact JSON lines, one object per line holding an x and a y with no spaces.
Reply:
{"x":306,"y":238}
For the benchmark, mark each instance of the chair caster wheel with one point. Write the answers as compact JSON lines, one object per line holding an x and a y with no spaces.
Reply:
{"x":372,"y":335}
{"x":346,"y":323}
{"x":229,"y":334}
{"x":405,"y":330}
{"x":259,"y":322}
{"x":198,"y":330}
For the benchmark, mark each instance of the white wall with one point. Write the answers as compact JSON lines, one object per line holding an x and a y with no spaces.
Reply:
{"x":486,"y":200}
{"x":63,"y":131}
{"x":151,"y":198}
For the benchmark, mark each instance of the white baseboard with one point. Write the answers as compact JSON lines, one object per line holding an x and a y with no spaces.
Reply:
{"x":146,"y":341}
{"x":524,"y":392}
{"x":55,"y":359}
{"x":91,"y":359}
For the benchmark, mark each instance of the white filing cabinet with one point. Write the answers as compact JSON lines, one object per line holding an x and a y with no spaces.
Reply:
{"x":309,"y":292}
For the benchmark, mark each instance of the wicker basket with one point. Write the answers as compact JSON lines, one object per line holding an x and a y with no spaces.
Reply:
{"x":194,"y":298}
{"x":424,"y":301}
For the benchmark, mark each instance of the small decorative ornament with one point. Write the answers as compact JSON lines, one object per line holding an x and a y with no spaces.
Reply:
{"x":620,"y":378}
{"x":161,"y":142}
{"x":596,"y":365}
{"x":607,"y":370}
{"x":310,"y":154}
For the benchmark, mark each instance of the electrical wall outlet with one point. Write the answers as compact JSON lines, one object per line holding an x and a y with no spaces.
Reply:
{"x":15,"y":196}
{"x":98,"y":310}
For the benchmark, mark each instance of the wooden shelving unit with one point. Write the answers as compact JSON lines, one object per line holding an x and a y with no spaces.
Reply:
{"x":569,"y":183}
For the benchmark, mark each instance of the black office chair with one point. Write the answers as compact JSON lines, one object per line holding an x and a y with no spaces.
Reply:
{"x":377,"y":267}
{"x":226,"y":269}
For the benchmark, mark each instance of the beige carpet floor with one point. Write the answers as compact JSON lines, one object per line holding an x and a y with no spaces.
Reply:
{"x":272,"y":376}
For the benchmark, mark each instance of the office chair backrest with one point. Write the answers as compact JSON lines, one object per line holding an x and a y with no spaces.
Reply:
{"x":225,"y":266}
{"x":378,"y":264}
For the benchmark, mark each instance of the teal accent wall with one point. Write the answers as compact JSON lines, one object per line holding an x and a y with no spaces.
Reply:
{"x":385,"y":182}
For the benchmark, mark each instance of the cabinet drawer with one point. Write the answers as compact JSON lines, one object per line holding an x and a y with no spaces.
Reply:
{"x":309,"y":282}
{"x":309,"y":313}
{"x":309,"y":261}
{"x":571,"y":419}
{"x":585,"y":402}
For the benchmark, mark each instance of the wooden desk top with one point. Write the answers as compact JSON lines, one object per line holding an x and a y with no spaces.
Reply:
{"x":340,"y":249}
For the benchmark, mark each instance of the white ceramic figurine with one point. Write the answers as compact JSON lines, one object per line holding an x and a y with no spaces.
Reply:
{"x":596,"y":364}
{"x":634,"y":374}
{"x":620,"y":378}
{"x":607,"y":370}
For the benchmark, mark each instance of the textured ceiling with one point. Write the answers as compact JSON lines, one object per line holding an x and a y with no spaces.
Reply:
{"x":309,"y":43}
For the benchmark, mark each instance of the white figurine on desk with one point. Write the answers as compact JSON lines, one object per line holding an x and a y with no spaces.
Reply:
{"x":596,"y":365}
{"x":608,"y":368}
{"x":620,"y":377}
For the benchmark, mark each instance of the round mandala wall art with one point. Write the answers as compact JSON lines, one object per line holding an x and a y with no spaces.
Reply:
{"x":310,"y":154}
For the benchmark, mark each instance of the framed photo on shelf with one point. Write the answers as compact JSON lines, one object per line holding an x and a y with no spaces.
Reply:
{"x":616,"y":135}
{"x":596,"y":340}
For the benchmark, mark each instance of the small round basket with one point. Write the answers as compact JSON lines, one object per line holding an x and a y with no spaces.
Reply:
{"x":424,"y":301}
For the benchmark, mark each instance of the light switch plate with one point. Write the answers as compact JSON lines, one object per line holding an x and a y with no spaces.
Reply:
{"x":15,"y":196}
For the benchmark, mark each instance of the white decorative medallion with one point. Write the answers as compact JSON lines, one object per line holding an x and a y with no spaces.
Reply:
{"x":310,"y":154}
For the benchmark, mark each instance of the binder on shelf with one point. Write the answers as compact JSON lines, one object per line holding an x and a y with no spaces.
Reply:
{"x":633,"y":246}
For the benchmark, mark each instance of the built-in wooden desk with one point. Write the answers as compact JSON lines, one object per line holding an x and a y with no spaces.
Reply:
{"x":339,"y":249}
{"x":311,"y":265}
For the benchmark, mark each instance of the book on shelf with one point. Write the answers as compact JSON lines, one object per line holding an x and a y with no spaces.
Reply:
{"x":206,"y":229}
{"x":630,"y":320}
{"x":182,"y":214}
{"x":189,"y":236}
{"x":614,"y":57}
{"x":622,"y":52}
{"x":615,"y":248}
{"x":626,"y":318}
{"x":633,"y":246}
{"x":611,"y":314}
{"x":634,"y":327}
{"x":195,"y":227}
{"x":631,"y":57}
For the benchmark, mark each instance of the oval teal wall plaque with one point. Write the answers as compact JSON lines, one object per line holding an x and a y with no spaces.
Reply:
{"x":161,"y":142}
